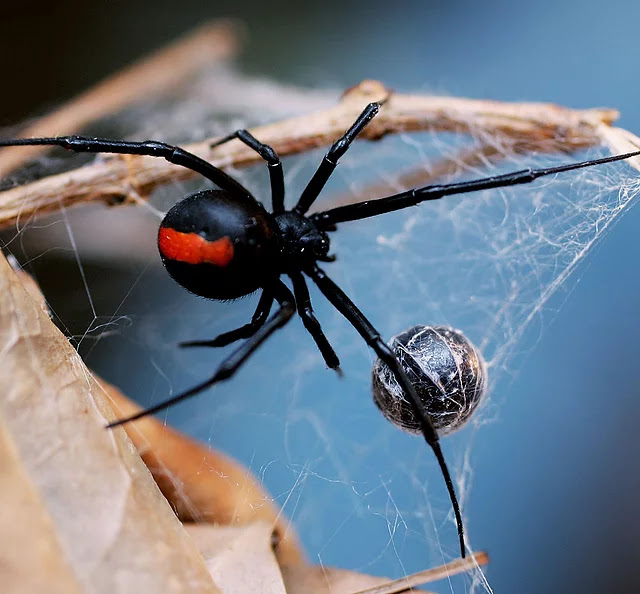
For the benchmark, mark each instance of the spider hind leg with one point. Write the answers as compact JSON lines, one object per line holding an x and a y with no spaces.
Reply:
{"x":247,"y":331}
{"x":357,"y":319}
{"x":234,"y":361}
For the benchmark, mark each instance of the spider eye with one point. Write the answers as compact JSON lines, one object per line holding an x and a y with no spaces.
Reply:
{"x":446,"y":370}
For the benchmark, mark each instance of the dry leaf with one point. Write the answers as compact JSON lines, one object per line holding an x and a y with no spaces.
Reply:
{"x":31,"y":558}
{"x":240,"y":558}
{"x":90,"y":512}
{"x":201,"y":484}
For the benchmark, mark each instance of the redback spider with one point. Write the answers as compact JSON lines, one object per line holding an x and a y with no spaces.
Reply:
{"x":223,"y":244}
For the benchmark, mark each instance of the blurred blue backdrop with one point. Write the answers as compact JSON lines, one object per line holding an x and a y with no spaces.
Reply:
{"x":555,"y":477}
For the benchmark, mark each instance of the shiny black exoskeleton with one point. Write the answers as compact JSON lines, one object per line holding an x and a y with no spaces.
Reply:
{"x":301,"y":242}
{"x":215,"y":215}
{"x":261,"y":246}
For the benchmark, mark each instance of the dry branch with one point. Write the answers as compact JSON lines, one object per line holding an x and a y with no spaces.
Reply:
{"x":160,"y":72}
{"x":112,"y":177}
{"x":621,"y":141}
{"x":468,"y":158}
{"x":429,"y":575}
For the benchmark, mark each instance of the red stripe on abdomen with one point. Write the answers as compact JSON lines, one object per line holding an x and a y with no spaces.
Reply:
{"x":193,"y":248}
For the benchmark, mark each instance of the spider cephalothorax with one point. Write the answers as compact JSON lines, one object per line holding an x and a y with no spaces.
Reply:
{"x":223,"y":244}
{"x":301,"y":242}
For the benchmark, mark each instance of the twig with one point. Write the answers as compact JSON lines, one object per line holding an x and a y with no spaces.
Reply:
{"x":621,"y":141}
{"x":429,"y":575}
{"x":161,"y":71}
{"x":109,"y":178}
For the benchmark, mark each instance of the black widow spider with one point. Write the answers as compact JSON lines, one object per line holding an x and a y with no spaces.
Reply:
{"x":223,"y":244}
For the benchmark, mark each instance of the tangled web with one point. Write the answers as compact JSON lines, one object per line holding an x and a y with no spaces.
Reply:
{"x":358,"y":491}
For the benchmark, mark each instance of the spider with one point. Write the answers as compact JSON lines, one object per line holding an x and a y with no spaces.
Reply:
{"x":223,"y":244}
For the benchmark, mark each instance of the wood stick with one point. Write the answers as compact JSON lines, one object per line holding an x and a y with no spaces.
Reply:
{"x":429,"y":575}
{"x":111,"y":177}
{"x":159,"y":72}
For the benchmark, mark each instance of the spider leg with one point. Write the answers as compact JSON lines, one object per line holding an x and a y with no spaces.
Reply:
{"x":274,"y":165}
{"x":257,"y":321}
{"x":305,"y":311}
{"x":339,"y":148}
{"x":372,"y":337}
{"x":232,"y":363}
{"x":371,"y":208}
{"x":151,"y":148}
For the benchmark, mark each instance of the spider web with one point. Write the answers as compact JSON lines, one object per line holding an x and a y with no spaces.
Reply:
{"x":358,"y":491}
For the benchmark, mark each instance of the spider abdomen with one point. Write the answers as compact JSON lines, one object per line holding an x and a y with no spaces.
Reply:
{"x":446,"y":370}
{"x":217,"y":245}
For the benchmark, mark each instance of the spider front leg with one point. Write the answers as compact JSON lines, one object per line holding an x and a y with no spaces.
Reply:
{"x":274,"y":165}
{"x":305,"y":311}
{"x":370,"y":208}
{"x":372,"y":337}
{"x":232,"y":363}
{"x":257,"y":321}
{"x":330,"y":161}
{"x":150,"y":148}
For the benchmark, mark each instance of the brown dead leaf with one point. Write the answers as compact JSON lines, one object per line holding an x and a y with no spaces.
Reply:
{"x":86,"y":509}
{"x":240,"y":558}
{"x":202,"y":484}
{"x":25,"y":525}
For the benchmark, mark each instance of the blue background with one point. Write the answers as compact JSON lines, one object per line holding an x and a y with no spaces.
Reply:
{"x":555,"y":477}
